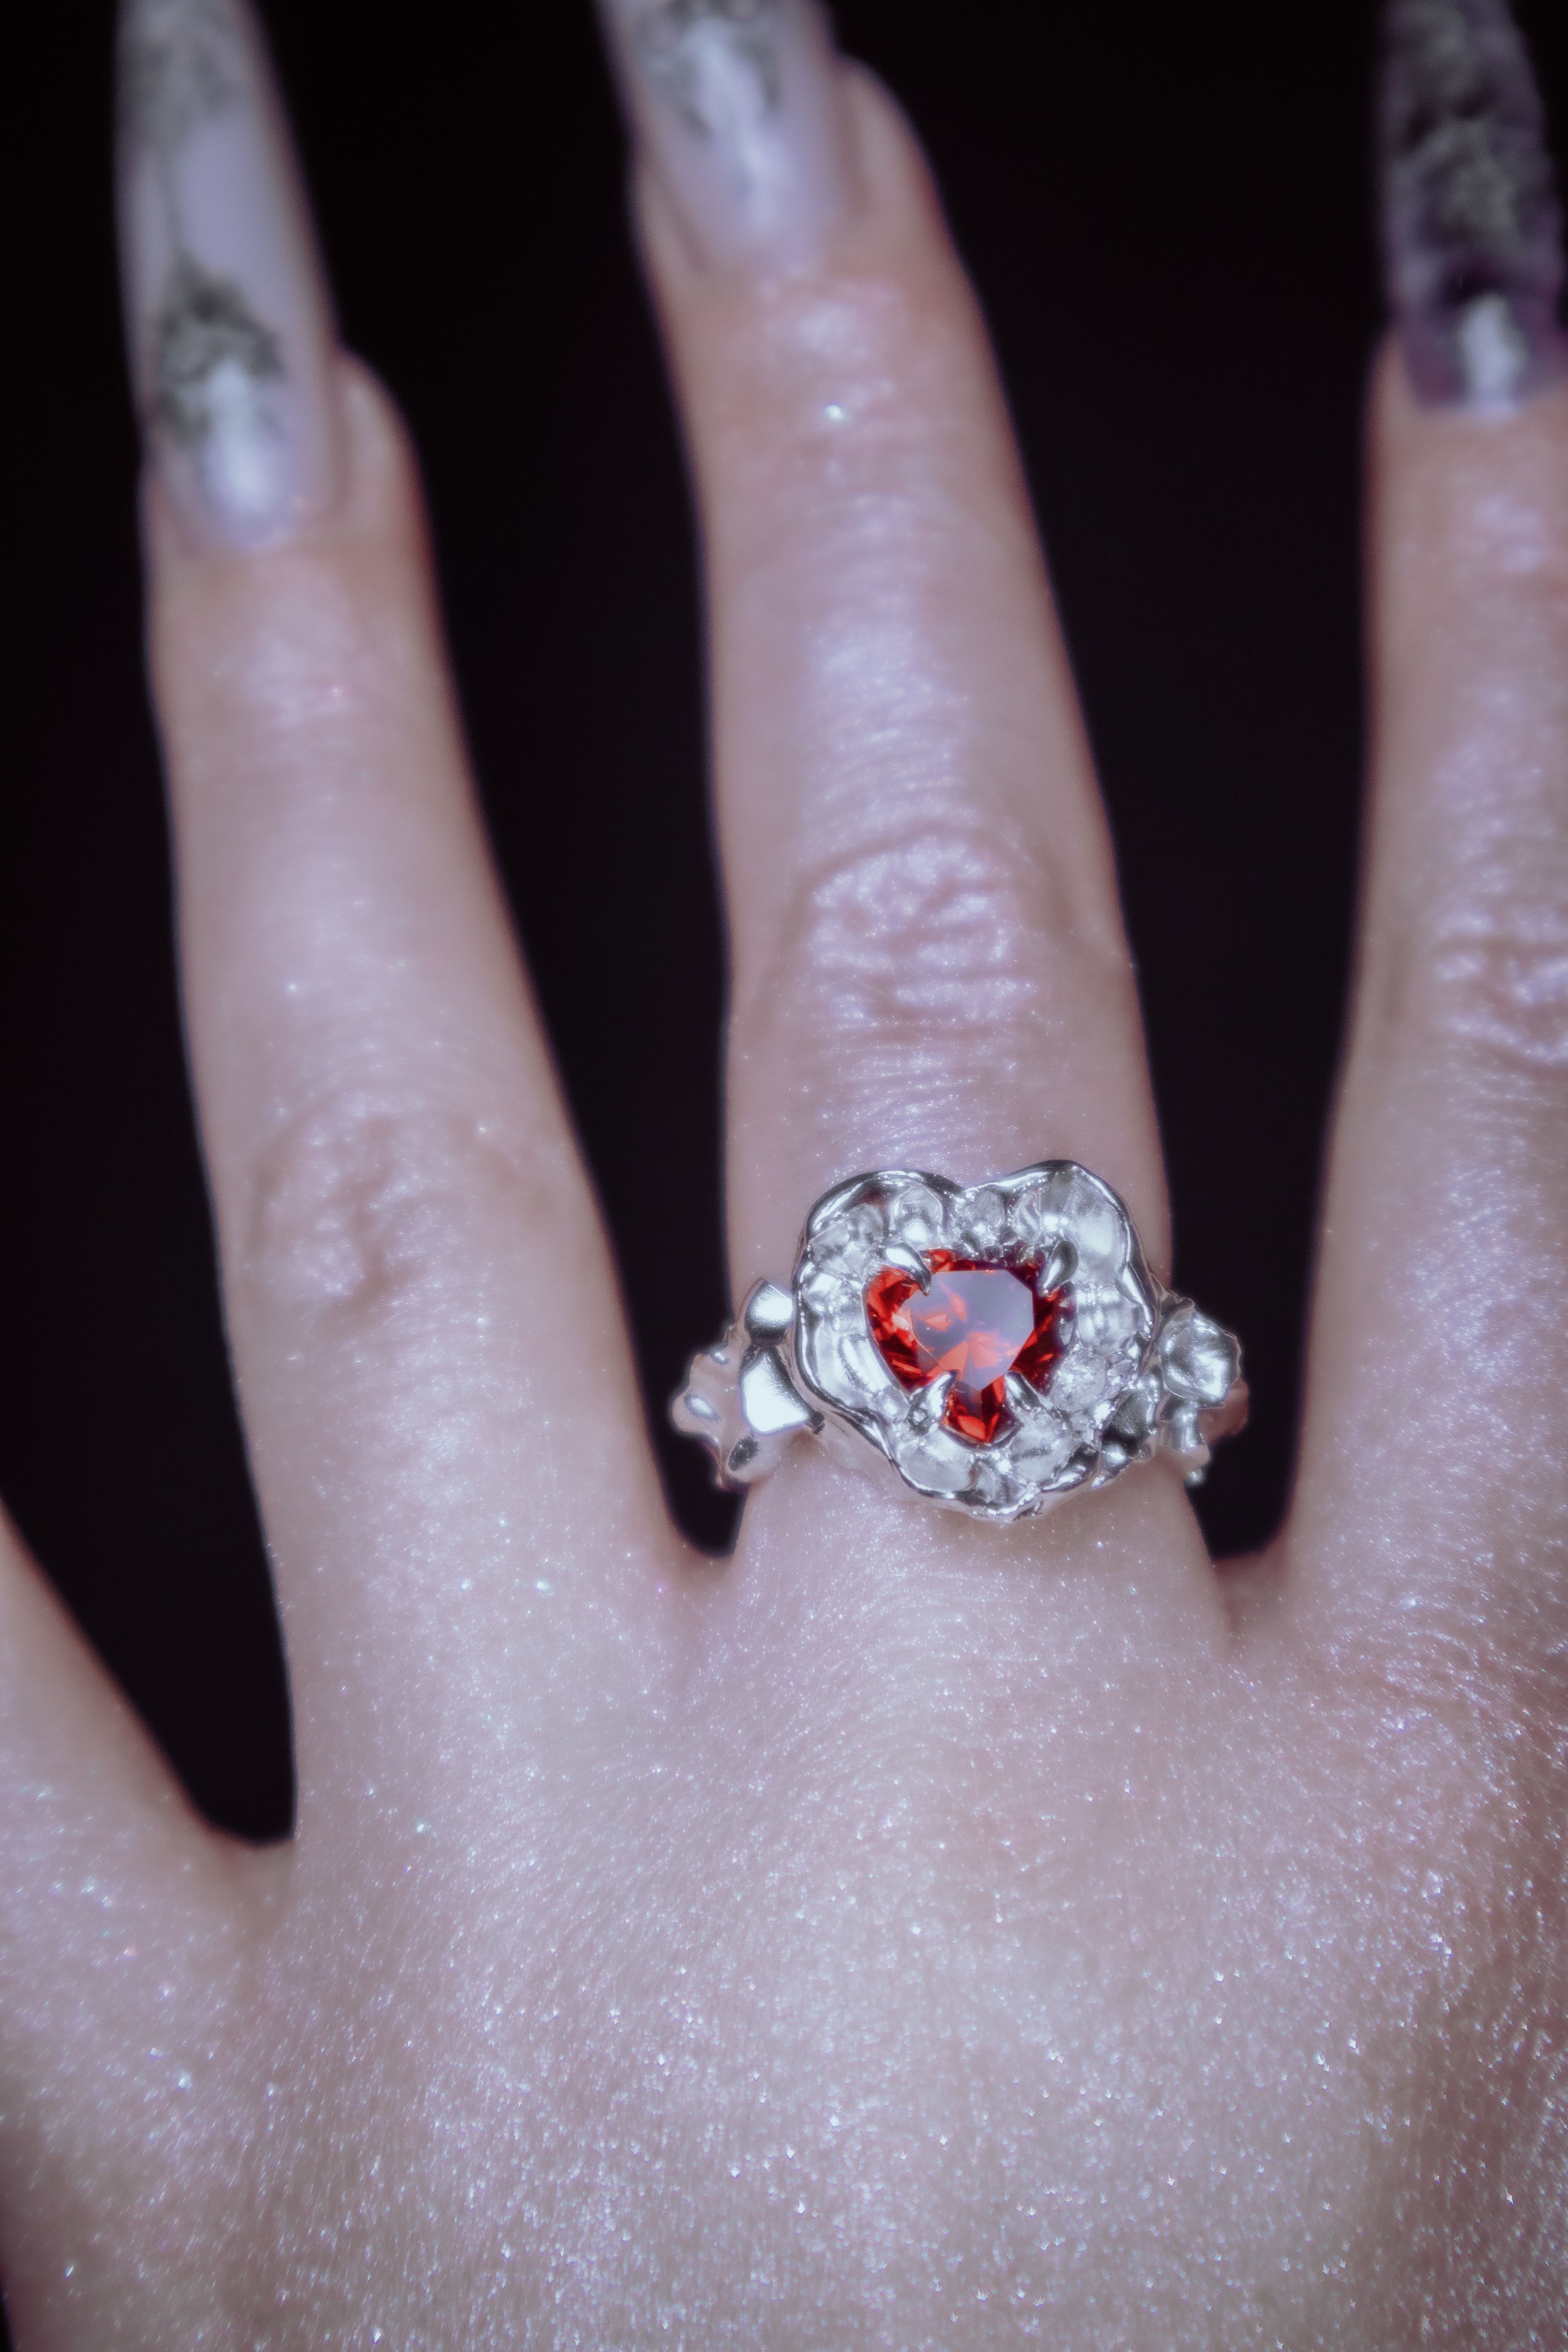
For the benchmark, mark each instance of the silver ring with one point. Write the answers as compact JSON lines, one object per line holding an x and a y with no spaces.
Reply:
{"x":992,"y":1347}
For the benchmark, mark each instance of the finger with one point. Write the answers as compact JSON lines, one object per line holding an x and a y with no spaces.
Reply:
{"x":1435,"y":1415}
{"x":436,"y":1388}
{"x":123,"y":1920}
{"x":929,"y":969}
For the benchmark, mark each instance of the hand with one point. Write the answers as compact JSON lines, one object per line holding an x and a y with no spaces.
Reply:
{"x":912,"y":1933}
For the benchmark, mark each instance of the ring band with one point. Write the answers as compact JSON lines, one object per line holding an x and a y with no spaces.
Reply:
{"x":991,"y":1347}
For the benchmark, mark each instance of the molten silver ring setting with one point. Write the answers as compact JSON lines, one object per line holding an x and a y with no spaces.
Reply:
{"x":991,"y":1348}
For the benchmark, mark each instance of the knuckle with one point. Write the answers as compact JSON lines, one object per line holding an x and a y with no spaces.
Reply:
{"x":915,"y":927}
{"x":910,"y":971}
{"x":357,"y":1206}
{"x":1491,"y":975}
{"x":939,"y":925}
{"x":900,"y":940}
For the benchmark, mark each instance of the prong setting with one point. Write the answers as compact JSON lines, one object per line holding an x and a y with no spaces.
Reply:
{"x":1137,"y":1371}
{"x":910,"y":1262}
{"x":1056,"y":1266}
{"x":930,"y":1404}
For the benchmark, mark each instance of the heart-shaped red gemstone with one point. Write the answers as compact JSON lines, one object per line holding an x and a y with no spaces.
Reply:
{"x":977,"y":1320}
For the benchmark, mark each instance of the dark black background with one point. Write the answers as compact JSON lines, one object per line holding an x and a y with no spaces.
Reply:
{"x":1166,"y":212}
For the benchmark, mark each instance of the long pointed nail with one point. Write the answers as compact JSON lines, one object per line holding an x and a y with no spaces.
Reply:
{"x":1471,"y":228}
{"x":230,"y":329}
{"x":737,"y":107}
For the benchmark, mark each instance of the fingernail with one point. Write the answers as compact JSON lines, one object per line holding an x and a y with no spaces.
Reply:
{"x":230,"y":329}
{"x":737,"y":106}
{"x":1472,"y":229}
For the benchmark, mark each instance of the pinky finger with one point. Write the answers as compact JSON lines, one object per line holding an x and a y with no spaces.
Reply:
{"x":1436,"y":1429}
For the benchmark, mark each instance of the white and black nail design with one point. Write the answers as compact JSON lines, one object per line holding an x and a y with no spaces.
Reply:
{"x":737,"y":105}
{"x":229,"y":328}
{"x":1471,"y":227}
{"x":716,"y":62}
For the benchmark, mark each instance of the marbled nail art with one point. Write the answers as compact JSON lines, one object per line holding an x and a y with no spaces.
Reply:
{"x":1471,"y":227}
{"x":229,"y":327}
{"x":737,"y":105}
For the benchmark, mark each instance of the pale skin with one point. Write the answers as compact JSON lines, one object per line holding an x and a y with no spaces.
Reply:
{"x":913,"y":1933}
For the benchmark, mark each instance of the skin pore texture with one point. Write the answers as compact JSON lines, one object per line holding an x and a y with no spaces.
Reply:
{"x":912,"y":1934}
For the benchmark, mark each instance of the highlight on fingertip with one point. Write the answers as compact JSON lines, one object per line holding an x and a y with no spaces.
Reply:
{"x":737,"y":107}
{"x":1472,"y":231}
{"x":226,"y":310}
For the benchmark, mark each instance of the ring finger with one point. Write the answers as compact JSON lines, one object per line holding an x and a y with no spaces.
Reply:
{"x":929,"y":963}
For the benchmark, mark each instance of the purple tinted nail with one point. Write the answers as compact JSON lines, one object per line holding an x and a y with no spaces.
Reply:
{"x":1472,"y":233}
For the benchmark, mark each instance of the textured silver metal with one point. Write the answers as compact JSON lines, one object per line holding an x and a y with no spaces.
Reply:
{"x":1142,"y":1372}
